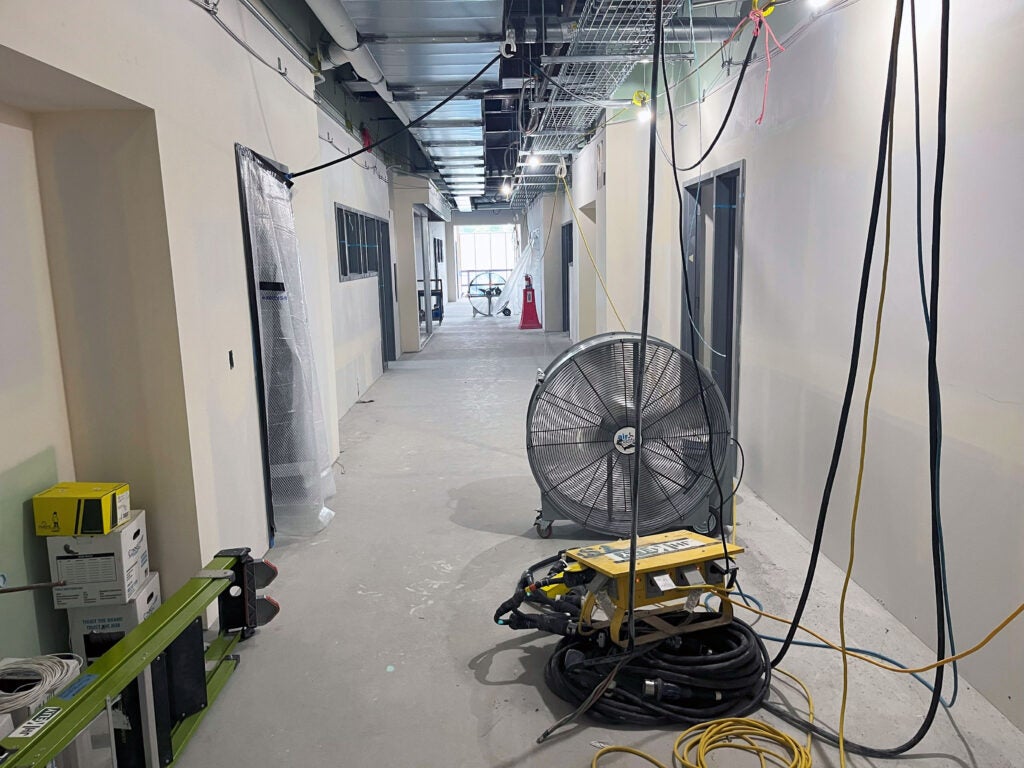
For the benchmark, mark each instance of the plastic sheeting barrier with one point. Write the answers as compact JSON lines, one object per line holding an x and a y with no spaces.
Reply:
{"x":530,"y":262}
{"x":299,"y":453}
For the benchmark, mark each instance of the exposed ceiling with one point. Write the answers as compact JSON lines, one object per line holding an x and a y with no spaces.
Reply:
{"x":498,"y":144}
{"x":424,"y":51}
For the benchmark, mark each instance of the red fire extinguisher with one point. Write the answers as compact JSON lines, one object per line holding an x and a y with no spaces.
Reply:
{"x":529,"y":320}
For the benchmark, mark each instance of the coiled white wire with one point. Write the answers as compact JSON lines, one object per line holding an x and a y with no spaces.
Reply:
{"x":49,"y":674}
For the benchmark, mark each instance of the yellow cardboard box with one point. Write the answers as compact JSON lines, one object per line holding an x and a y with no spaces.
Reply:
{"x":75,"y":509}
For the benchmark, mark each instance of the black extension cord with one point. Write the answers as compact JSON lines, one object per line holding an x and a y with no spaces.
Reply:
{"x":936,"y":508}
{"x":400,"y":131}
{"x":720,"y":515}
{"x":721,"y":671}
{"x":728,"y":112}
{"x":935,"y":423}
{"x":645,"y":315}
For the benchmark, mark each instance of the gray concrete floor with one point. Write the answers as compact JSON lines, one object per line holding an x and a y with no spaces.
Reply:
{"x":385,"y":653}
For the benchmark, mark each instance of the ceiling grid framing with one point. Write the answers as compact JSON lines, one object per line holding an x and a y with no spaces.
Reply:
{"x":606,"y":28}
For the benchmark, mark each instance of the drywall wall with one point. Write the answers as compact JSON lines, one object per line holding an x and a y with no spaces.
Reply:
{"x":35,"y":451}
{"x":413,"y":199}
{"x":206,"y":93}
{"x":355,"y":304}
{"x":405,"y":257}
{"x":809,"y":176}
{"x":587,"y":195}
{"x":544,"y":216}
{"x":103,"y":208}
{"x":451,"y":264}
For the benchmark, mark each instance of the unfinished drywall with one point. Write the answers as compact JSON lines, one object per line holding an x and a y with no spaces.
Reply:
{"x":544,"y":216}
{"x":413,"y":200}
{"x":585,"y":198}
{"x":103,"y":208}
{"x":355,"y":304}
{"x":451,"y":264}
{"x":35,"y":451}
{"x":809,"y":172}
{"x":206,"y":93}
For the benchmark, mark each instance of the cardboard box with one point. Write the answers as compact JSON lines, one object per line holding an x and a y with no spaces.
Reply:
{"x":100,"y":570}
{"x":120,"y":619}
{"x":81,"y":509}
{"x":114,"y":622}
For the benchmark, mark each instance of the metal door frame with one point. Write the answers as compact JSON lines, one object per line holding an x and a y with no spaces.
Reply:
{"x":725,"y":239}
{"x":567,"y":259}
{"x":386,"y":293}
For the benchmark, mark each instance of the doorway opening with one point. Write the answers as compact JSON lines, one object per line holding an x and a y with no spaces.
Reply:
{"x":714,"y":248}
{"x":386,"y":289}
{"x":566,"y":266}
{"x":483,"y":249}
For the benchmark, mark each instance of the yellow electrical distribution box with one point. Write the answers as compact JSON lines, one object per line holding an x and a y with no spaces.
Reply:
{"x":76,"y":509}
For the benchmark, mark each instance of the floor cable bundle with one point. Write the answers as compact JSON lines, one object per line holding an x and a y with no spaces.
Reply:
{"x":722,"y":671}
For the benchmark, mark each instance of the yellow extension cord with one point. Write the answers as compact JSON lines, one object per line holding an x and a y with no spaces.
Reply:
{"x":864,"y":447}
{"x":759,"y":738}
{"x":881,"y":664}
{"x":694,"y":746}
{"x":763,"y":729}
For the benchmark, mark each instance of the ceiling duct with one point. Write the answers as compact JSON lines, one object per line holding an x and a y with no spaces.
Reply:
{"x":414,"y":54}
{"x":346,"y":48}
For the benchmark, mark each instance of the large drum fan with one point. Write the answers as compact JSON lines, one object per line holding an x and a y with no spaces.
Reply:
{"x":581,"y":438}
{"x":483,"y":293}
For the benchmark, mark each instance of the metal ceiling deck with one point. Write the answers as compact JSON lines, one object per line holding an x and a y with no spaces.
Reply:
{"x":422,"y":72}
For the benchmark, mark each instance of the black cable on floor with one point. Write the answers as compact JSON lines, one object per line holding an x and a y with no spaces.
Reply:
{"x":721,"y":671}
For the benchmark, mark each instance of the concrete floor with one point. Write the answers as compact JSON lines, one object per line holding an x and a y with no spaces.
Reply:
{"x":385,"y":653}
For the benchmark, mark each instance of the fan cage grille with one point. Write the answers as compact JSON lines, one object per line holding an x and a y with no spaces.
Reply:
{"x":586,"y":398}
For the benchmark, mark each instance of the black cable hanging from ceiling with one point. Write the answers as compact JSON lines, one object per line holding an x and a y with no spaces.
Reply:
{"x":935,"y":418}
{"x":403,"y":129}
{"x":638,"y":374}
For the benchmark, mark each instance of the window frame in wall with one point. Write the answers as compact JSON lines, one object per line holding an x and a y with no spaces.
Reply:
{"x":361,"y":259}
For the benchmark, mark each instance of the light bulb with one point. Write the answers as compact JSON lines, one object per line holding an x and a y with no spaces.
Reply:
{"x":533,"y":161}
{"x":644,"y":114}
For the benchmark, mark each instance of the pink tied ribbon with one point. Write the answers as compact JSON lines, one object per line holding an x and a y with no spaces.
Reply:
{"x":757,"y":16}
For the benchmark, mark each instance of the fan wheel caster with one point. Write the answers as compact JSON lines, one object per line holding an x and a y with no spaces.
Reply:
{"x":544,"y":531}
{"x":508,"y":313}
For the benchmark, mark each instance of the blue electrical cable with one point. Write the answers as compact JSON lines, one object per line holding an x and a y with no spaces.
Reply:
{"x":750,"y":600}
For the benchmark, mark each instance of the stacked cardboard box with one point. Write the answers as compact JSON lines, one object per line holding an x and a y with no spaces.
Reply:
{"x":99,"y":549}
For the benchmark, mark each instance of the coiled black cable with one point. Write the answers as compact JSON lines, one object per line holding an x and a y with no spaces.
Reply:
{"x":721,"y":671}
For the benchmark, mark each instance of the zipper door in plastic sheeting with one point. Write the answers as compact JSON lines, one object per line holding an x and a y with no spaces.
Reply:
{"x":297,"y":445}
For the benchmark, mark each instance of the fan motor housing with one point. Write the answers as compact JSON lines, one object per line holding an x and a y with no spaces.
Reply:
{"x":582,"y":443}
